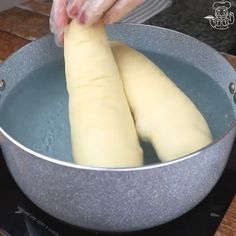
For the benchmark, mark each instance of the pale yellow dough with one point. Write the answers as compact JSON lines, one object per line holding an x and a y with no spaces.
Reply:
{"x":164,"y":115}
{"x":102,"y":128}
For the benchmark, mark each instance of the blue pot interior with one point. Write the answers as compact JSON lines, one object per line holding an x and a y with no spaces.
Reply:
{"x":35,"y":113}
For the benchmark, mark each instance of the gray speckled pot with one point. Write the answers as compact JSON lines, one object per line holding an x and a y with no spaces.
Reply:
{"x":119,"y":199}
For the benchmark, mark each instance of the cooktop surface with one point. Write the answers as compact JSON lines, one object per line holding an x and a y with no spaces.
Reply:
{"x":20,"y":217}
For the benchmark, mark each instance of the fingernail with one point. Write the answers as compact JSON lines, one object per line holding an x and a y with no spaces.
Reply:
{"x":72,"y":11}
{"x":83,"y":18}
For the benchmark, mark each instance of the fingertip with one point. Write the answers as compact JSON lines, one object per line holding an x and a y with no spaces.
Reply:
{"x":120,"y":9}
{"x":91,"y":19}
{"x":108,"y":19}
{"x":112,"y":16}
{"x":72,"y":10}
{"x":59,"y":17}
{"x":59,"y":39}
{"x":93,"y":11}
{"x":82,"y":19}
{"x":86,"y":19}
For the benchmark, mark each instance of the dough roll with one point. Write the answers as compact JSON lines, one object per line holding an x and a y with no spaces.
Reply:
{"x":163,"y":114}
{"x":103,"y":133}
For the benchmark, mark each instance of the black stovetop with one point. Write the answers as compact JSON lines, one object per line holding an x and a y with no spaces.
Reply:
{"x":20,"y":217}
{"x":187,"y":16}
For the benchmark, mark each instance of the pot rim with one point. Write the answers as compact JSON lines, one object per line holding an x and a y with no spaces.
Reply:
{"x":145,"y":167}
{"x":139,"y":168}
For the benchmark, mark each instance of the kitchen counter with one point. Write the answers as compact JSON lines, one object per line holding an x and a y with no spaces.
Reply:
{"x":29,"y":21}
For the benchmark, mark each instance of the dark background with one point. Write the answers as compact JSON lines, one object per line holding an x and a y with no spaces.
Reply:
{"x":187,"y":16}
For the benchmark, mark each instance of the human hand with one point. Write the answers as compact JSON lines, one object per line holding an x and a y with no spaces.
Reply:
{"x":87,"y":12}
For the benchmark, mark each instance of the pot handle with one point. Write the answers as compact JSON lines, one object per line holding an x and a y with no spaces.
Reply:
{"x":1,"y":137}
{"x":2,"y":85}
{"x":232,"y":90}
{"x":2,"y":88}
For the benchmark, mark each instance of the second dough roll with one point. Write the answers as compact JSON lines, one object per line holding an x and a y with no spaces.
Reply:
{"x":173,"y":125}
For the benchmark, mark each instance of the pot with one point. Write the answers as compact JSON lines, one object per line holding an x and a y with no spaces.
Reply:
{"x":35,"y":139}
